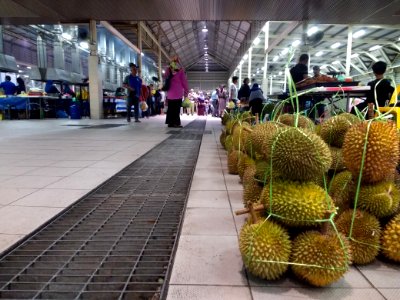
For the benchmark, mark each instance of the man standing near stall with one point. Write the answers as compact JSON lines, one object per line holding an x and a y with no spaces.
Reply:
{"x":134,"y":84}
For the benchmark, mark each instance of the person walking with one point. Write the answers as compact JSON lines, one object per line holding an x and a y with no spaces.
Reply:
{"x":256,"y":100}
{"x":233,"y":91}
{"x":244,"y":94}
{"x":133,"y":83}
{"x":178,"y":88}
{"x":222,"y":96}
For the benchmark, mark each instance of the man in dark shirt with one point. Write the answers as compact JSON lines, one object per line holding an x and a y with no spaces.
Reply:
{"x":134,"y":84}
{"x":8,"y":86}
{"x":300,"y":71}
{"x":380,"y":87}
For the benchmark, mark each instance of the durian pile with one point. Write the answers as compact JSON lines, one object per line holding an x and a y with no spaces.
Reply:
{"x":318,"y":198}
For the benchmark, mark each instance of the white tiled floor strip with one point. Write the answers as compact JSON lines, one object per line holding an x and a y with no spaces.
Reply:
{"x":208,"y":264}
{"x":45,"y":166}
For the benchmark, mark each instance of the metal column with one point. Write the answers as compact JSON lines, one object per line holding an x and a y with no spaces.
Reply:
{"x":140,"y":47}
{"x":95,"y":82}
{"x":249,"y":68}
{"x":266,"y":45}
{"x":159,"y":61}
{"x":349,"y":47}
{"x":240,"y":74}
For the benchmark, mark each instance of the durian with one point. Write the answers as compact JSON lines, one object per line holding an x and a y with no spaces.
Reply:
{"x":263,"y":171}
{"x":243,"y":162}
{"x":381,"y":199}
{"x":240,"y":136}
{"x":303,"y":121}
{"x":320,"y":259}
{"x":222,"y":138}
{"x":229,"y":143}
{"x":337,"y":159}
{"x":249,"y":173}
{"x":381,"y":154}
{"x":261,"y":136}
{"x":340,"y":190}
{"x":233,"y":159}
{"x":350,"y":117}
{"x":298,"y":154}
{"x":297,"y":204}
{"x":265,"y":247}
{"x":334,"y":130}
{"x":365,"y":234}
{"x":251,"y":192}
{"x":391,"y":239}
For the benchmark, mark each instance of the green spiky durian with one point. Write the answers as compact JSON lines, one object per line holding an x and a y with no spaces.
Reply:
{"x":352,"y":118}
{"x":381,"y":199}
{"x":391,"y":239}
{"x":334,"y":130}
{"x":303,"y":121}
{"x":365,"y":234}
{"x":244,"y":162}
{"x":298,"y":154}
{"x":240,"y":136}
{"x":320,"y":259}
{"x":225,"y":118}
{"x":261,"y":136}
{"x":337,"y":159}
{"x":229,"y":143}
{"x":382,"y":150}
{"x":297,"y":204}
{"x":262,"y":242}
{"x":222,"y":138}
{"x":251,"y":192}
{"x":340,"y":190}
{"x":233,"y":159}
{"x":249,"y":173}
{"x":263,"y":171}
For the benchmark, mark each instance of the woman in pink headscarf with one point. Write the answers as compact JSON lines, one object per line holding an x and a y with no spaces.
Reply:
{"x":176,"y":87}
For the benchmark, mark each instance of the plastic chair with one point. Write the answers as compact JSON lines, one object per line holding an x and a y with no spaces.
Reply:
{"x":392,"y":109}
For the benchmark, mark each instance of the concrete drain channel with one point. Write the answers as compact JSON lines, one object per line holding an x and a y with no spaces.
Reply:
{"x":118,"y":242}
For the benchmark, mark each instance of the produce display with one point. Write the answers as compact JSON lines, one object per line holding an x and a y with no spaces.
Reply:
{"x":318,"y":198}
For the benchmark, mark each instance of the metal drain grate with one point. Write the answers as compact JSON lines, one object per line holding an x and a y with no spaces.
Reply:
{"x":116,"y":243}
{"x":103,"y":126}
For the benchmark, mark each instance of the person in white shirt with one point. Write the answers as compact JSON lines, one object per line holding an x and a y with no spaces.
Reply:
{"x":233,"y":90}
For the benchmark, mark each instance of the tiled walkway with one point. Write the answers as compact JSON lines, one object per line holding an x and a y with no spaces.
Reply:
{"x":45,"y":166}
{"x":208,"y":264}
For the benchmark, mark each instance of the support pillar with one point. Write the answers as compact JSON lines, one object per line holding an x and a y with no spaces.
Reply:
{"x":159,"y":61}
{"x":349,"y":48}
{"x":266,"y":45}
{"x":240,"y":74}
{"x":95,"y":82}
{"x":270,"y":85}
{"x":140,"y":47}
{"x":249,"y":67}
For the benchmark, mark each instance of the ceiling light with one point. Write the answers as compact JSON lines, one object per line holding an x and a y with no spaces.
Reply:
{"x":296,"y":43}
{"x":84,"y":45}
{"x":336,"y":62}
{"x":280,"y":73}
{"x":245,"y":56}
{"x":263,"y":68}
{"x":376,"y":47}
{"x":17,"y":66}
{"x":29,"y":68}
{"x":206,"y":58}
{"x":142,"y":54}
{"x":336,"y":45}
{"x":323,"y":67}
{"x":312,"y":30}
{"x":256,"y":41}
{"x":258,"y":72}
{"x":275,"y":58}
{"x":205,"y":47}
{"x":354,"y":55}
{"x":319,"y":53}
{"x":274,"y":76}
{"x":163,"y":71}
{"x":285,"y":51}
{"x":26,"y":76}
{"x":67,"y":36}
{"x":254,"y":74}
{"x":205,"y":29}
{"x":19,"y":71}
{"x":359,"y":33}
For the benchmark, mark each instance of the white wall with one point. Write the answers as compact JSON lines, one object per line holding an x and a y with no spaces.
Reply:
{"x":206,"y":81}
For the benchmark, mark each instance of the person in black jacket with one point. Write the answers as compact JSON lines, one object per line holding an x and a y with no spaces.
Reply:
{"x":21,"y":86}
{"x":380,"y":87}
